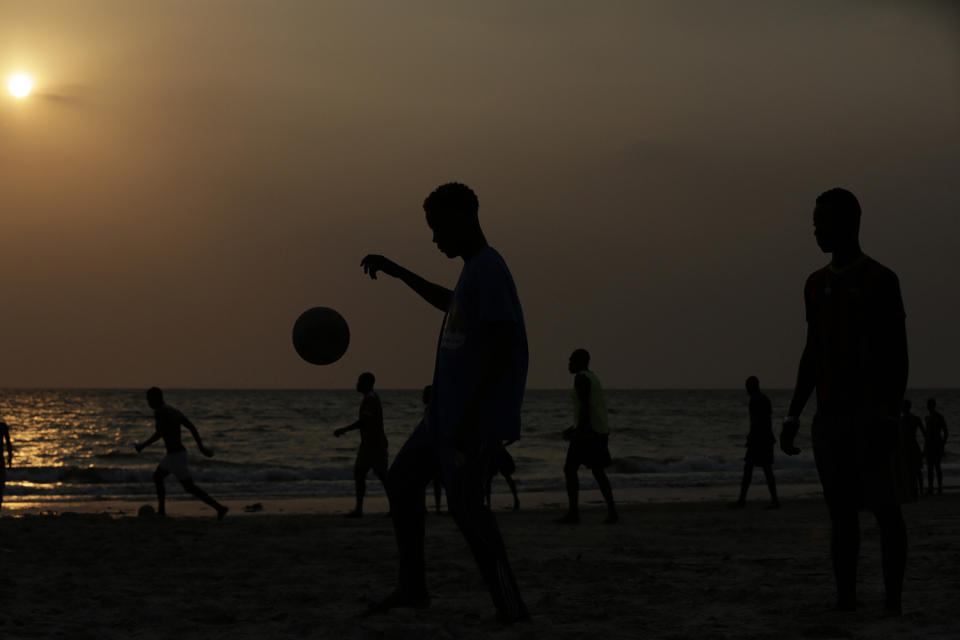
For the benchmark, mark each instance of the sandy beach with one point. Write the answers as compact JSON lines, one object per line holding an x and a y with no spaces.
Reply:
{"x":683,"y":570}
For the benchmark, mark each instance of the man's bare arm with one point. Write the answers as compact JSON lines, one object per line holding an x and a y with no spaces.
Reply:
{"x":807,"y":374}
{"x":196,"y":436}
{"x":352,"y":426}
{"x":140,"y":446}
{"x":435,"y":294}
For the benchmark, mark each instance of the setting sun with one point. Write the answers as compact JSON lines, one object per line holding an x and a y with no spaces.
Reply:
{"x":20,"y":85}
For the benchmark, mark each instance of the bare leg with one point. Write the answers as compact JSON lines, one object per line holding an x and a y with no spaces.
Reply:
{"x":158,"y":480}
{"x":573,"y":493}
{"x":844,"y":551}
{"x":190,"y":487}
{"x":772,"y":485}
{"x":745,"y":484}
{"x":607,"y":491}
{"x":893,"y":548}
{"x":360,"y":479}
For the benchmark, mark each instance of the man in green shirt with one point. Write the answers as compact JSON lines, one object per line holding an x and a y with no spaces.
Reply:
{"x":587,"y":437}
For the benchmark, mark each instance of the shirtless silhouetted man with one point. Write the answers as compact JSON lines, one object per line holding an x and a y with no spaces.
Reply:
{"x":856,"y":359}
{"x":934,"y":444}
{"x":910,"y":426}
{"x":169,"y":421}
{"x":478,"y":383}
{"x":759,"y":444}
{"x":373,"y":441}
{"x":5,"y":436}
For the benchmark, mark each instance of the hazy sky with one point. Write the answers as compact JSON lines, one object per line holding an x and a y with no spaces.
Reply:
{"x":187,"y":177}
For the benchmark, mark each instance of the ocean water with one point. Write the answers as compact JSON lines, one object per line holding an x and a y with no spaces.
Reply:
{"x":77,"y":445}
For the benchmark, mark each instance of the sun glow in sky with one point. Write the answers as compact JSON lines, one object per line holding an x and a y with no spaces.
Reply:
{"x":20,"y":85}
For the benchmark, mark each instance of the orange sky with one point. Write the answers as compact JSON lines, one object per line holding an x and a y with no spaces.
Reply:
{"x":187,"y":177}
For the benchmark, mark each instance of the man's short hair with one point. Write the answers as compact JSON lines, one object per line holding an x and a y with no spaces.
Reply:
{"x":155,"y":394}
{"x":367,"y":379}
{"x":841,"y":202}
{"x":752,"y":381}
{"x":452,"y":197}
{"x":581,"y":355}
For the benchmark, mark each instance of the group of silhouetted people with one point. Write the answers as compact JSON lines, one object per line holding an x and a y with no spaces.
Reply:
{"x":854,"y":360}
{"x":935,"y":435}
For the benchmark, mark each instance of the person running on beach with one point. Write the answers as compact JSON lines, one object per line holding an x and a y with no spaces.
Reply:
{"x":373,"y":441}
{"x":5,"y":437}
{"x":169,"y":421}
{"x":759,"y":445}
{"x":934,"y":444}
{"x":856,"y":359}
{"x":588,"y":438}
{"x":479,"y":378}
{"x":502,"y":462}
{"x":910,"y":425}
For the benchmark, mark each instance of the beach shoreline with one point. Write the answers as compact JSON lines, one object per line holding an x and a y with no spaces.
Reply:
{"x":184,"y":505}
{"x":667,"y":570}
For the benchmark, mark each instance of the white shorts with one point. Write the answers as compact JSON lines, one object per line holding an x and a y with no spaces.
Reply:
{"x":176,"y":463}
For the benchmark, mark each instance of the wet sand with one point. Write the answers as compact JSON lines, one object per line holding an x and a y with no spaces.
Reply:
{"x":682,"y":570}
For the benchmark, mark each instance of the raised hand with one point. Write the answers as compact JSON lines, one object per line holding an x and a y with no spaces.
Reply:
{"x":373,"y":263}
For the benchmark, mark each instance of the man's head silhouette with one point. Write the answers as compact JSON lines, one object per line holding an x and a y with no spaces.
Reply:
{"x":452,"y":215}
{"x":836,"y":220}
{"x":579,"y":361}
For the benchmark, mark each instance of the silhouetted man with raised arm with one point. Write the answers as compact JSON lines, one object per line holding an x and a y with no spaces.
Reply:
{"x":372,"y":453}
{"x":588,"y":439}
{"x":478,"y":384}
{"x":759,"y":445}
{"x":934,"y":445}
{"x":856,"y":359}
{"x":169,"y":421}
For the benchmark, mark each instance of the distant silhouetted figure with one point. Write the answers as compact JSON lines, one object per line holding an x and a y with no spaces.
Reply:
{"x":478,"y":384}
{"x":5,"y":436}
{"x":856,"y":359}
{"x":502,"y":462}
{"x":759,"y":444}
{"x":373,"y":441}
{"x":934,"y":444}
{"x":588,"y":438}
{"x":169,"y":421}
{"x":910,"y":425}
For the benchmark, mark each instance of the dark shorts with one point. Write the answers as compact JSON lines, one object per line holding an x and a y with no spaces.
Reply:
{"x":371,"y":458}
{"x":759,"y":456}
{"x":589,"y":450}
{"x":857,"y":461}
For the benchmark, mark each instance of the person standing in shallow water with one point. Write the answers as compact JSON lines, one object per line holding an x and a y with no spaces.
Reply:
{"x":588,"y":438}
{"x":169,"y":421}
{"x":373,"y":441}
{"x":759,"y":445}
{"x":856,"y":359}
{"x":934,"y":444}
{"x":479,"y":380}
{"x":5,"y":437}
